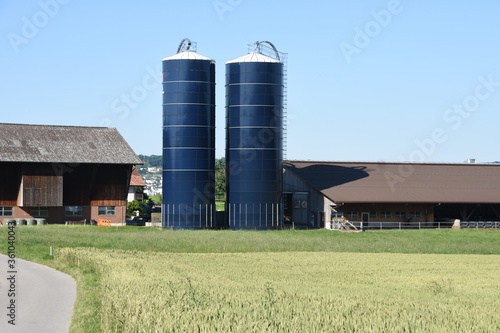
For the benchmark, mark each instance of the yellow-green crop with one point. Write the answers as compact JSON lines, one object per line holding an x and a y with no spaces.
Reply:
{"x":293,"y":291}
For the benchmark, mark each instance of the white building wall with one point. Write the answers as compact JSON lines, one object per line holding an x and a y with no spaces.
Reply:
{"x":131,"y":193}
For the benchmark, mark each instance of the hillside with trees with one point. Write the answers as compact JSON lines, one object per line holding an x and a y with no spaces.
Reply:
{"x":151,"y":161}
{"x":155,"y":161}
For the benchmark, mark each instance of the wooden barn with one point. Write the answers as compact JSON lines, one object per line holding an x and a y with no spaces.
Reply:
{"x":64,"y":173}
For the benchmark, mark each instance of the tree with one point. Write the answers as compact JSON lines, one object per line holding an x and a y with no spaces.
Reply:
{"x":134,"y":206}
{"x":156,"y":198}
{"x":151,"y":160}
{"x":220,"y":178}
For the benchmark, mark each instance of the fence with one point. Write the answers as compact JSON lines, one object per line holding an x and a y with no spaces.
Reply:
{"x":418,"y":225}
{"x":255,"y":216}
{"x":188,"y":216}
{"x":480,"y":224}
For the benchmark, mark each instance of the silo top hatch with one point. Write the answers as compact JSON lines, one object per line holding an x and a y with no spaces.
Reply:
{"x":187,"y":51}
{"x":257,"y":55}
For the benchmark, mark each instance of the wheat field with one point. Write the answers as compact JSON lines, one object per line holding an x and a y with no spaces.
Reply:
{"x":292,"y":291}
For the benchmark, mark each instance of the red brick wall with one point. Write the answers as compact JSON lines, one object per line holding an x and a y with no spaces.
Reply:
{"x":56,"y":215}
{"x":118,"y":218}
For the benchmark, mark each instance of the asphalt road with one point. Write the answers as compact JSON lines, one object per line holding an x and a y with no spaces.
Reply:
{"x":43,"y":300}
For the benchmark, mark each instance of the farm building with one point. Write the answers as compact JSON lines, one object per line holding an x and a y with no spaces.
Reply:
{"x":64,"y":173}
{"x":317,"y":193}
{"x":137,"y":184}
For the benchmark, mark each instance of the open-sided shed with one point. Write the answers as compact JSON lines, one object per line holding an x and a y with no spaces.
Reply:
{"x":394,"y":192}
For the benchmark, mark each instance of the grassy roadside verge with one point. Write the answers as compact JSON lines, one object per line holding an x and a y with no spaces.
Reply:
{"x":33,"y":244}
{"x":87,"y":310}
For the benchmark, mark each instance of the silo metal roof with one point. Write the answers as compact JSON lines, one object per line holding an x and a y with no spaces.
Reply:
{"x":253,"y":57}
{"x":188,"y":55}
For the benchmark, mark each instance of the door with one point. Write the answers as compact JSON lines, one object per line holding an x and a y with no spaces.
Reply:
{"x":365,"y":219}
{"x":300,"y":208}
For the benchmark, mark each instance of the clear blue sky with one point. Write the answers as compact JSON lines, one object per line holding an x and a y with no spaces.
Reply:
{"x":367,"y":80}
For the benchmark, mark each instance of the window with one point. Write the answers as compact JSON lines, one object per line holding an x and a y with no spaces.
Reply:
{"x":106,"y":210}
{"x":351,"y":215}
{"x":5,"y":211}
{"x":385,"y":215}
{"x":73,"y":211}
{"x":336,"y":215}
{"x":39,"y":211}
{"x":415,"y":215}
{"x":373,"y":215}
{"x":401,"y":215}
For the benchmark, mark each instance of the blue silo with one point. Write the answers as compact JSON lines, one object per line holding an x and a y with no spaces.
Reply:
{"x":254,"y":140}
{"x":188,"y":140}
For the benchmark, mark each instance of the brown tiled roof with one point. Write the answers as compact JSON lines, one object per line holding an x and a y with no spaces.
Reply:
{"x":401,"y":182}
{"x":136,"y":179}
{"x":64,"y":144}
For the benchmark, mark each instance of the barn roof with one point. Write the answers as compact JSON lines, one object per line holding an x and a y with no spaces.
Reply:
{"x":136,"y":178}
{"x":64,"y":144}
{"x":375,"y":182}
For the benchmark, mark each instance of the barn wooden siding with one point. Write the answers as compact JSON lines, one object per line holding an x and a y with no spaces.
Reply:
{"x":10,"y":183}
{"x":42,"y":191}
{"x":52,"y":185}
